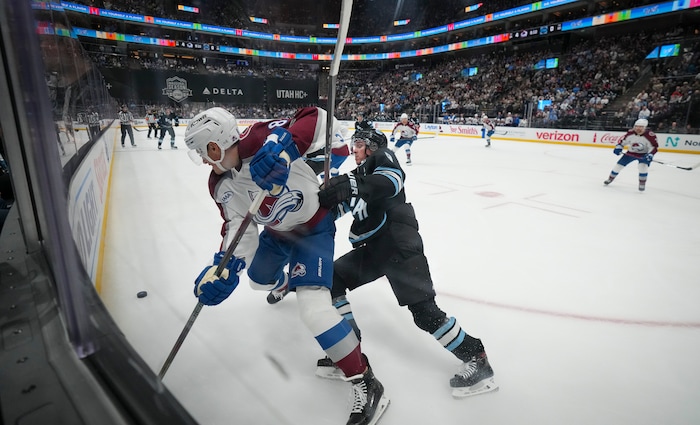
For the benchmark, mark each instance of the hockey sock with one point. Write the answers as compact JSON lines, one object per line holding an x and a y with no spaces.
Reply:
{"x":332,"y":332}
{"x":613,"y":174}
{"x":642,"y":180}
{"x":456,"y":341}
{"x":345,"y":309}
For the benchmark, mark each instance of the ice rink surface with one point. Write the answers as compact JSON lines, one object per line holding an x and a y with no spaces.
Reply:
{"x":585,"y":296}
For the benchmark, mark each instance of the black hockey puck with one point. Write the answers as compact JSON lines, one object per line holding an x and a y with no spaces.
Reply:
{"x":142,"y":294}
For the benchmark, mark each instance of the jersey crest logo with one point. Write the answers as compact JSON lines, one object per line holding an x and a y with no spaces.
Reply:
{"x":299,"y":270}
{"x":275,"y":208}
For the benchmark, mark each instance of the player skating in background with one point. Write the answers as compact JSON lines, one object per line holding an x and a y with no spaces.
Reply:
{"x":385,"y":239}
{"x":297,"y":231}
{"x":408,"y":133}
{"x":641,"y":146}
{"x":489,"y":128}
{"x":361,"y":123}
{"x":166,"y":121}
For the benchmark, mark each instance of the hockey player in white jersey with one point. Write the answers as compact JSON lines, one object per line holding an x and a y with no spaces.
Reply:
{"x":642,"y":145}
{"x":296,"y":231}
{"x":408,"y":133}
{"x":489,"y":128}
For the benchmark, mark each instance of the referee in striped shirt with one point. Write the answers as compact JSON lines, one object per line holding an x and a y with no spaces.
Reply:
{"x":125,"y":119}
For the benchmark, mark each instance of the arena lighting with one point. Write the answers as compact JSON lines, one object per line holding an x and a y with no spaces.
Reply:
{"x":578,"y":24}
{"x":472,"y":7}
{"x":401,"y":22}
{"x":331,"y":26}
{"x":257,"y":20}
{"x":428,"y":32}
{"x":187,"y":8}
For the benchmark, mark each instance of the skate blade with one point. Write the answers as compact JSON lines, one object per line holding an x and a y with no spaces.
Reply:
{"x":381,"y":407}
{"x":330,"y":373}
{"x":485,"y":386}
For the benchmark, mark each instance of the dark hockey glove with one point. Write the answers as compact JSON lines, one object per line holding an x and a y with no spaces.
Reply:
{"x":337,"y":190}
{"x":648,"y":158}
{"x":617,"y":150}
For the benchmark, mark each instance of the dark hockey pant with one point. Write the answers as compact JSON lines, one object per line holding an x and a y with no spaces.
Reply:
{"x":398,"y":255}
{"x":152,"y":127}
{"x":126,"y":128}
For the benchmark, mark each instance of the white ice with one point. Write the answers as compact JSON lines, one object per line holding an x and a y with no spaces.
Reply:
{"x":585,"y":296}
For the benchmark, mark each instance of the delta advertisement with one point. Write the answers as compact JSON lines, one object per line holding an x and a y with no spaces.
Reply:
{"x":171,"y":86}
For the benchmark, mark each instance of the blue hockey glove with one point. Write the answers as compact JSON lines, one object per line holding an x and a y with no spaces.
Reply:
{"x":617,"y":150}
{"x":648,"y":158}
{"x":212,"y":290}
{"x":270,"y":165}
{"x":414,"y":138}
{"x":391,"y":139}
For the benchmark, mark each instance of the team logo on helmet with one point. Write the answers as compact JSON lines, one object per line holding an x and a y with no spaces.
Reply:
{"x":176,"y":89}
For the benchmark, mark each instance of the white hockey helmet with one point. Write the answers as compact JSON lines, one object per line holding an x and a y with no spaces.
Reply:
{"x":641,"y":123}
{"x":215,"y":125}
{"x":404,"y":116}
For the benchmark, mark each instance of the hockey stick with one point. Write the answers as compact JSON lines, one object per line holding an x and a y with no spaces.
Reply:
{"x":254,"y":207}
{"x":678,"y":166}
{"x":427,"y":137}
{"x":137,"y":129}
{"x":345,"y":10}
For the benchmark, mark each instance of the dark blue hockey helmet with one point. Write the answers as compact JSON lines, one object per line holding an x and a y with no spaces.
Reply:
{"x":373,"y":139}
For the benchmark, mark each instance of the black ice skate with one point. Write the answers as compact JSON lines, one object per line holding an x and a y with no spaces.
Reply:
{"x":325,"y":368}
{"x":277,"y":295}
{"x":474,"y":377}
{"x":642,"y":186}
{"x":369,"y":402}
{"x":609,"y":180}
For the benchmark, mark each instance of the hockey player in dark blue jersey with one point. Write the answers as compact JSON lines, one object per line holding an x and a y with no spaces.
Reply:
{"x":385,"y":239}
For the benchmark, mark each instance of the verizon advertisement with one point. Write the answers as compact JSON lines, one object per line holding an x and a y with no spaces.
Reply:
{"x":680,"y":143}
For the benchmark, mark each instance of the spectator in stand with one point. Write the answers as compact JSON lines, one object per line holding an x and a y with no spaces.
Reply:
{"x":644,"y":113}
{"x":676,"y":96}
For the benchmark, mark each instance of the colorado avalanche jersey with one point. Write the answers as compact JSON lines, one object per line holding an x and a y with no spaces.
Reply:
{"x":406,"y":131}
{"x":295,"y":207}
{"x":640,"y":145}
